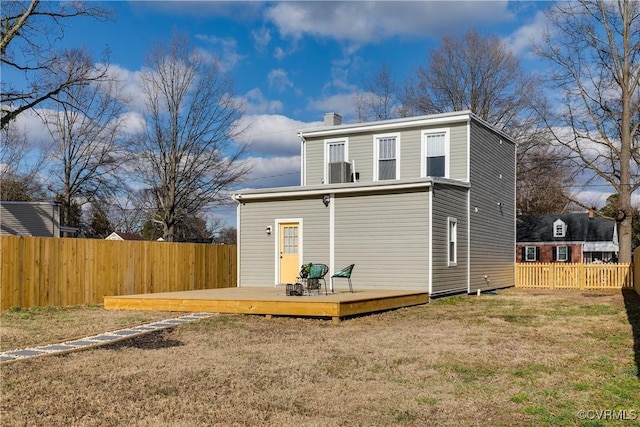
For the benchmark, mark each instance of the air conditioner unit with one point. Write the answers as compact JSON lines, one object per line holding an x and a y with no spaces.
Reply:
{"x":339,"y":172}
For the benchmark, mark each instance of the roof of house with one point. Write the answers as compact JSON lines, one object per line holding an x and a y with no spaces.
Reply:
{"x":580,"y":228}
{"x":117,"y":235}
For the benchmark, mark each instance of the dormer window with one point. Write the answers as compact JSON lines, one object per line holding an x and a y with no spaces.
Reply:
{"x":559,"y":228}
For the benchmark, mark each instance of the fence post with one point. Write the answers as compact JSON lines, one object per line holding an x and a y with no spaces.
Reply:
{"x":581,"y":276}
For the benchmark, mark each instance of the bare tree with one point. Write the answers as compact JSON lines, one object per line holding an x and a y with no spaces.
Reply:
{"x":187,"y":156}
{"x":85,"y":125}
{"x":21,"y":162}
{"x":29,"y":31}
{"x":379,"y":99}
{"x":594,"y":47}
{"x":481,"y":74}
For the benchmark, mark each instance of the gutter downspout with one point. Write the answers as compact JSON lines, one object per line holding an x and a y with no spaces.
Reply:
{"x":238,"y":199}
{"x":303,"y":158}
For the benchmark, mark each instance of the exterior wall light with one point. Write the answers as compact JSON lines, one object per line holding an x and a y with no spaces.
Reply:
{"x":326,"y":199}
{"x":268,"y":230}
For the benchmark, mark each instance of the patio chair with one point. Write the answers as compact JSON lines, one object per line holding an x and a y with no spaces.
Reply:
{"x":317,"y":273}
{"x":345,"y":273}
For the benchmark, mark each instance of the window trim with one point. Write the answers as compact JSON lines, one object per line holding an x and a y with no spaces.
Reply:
{"x":423,"y":150}
{"x":452,"y":239}
{"x":327,"y":144}
{"x":376,"y":154}
{"x":566,"y":255}
{"x":562,"y":231}
{"x":526,"y":254}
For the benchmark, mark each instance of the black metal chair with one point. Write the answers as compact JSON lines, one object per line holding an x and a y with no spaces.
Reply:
{"x":317,"y":273}
{"x":345,"y":273}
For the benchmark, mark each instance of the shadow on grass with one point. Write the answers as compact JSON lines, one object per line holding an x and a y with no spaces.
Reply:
{"x":632,"y":305}
{"x":151,"y":341}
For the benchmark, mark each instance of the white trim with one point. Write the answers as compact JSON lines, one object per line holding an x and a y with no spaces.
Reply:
{"x":303,"y":159}
{"x":278,"y":221}
{"x":238,"y":245}
{"x":469,"y":153}
{"x":423,"y":150}
{"x":376,"y":154}
{"x":450,"y":262}
{"x":526,"y":253}
{"x":469,"y":214}
{"x":327,"y":143}
{"x":566,"y":255}
{"x":430,"y":240}
{"x":332,"y":236}
{"x":343,"y":189}
{"x":563,"y":228}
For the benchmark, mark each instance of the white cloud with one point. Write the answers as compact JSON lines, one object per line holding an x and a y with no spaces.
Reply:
{"x":130,"y":86}
{"x":256,"y":103}
{"x":372,"y":21}
{"x":279,"y":80}
{"x":271,"y":135}
{"x":343,"y":104}
{"x":269,"y":172}
{"x":225,"y":50}
{"x":261,"y":37}
{"x":526,"y":37}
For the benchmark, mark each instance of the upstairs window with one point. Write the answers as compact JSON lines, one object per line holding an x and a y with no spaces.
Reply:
{"x":336,"y":152}
{"x":559,"y":228}
{"x":337,"y":169}
{"x":386,"y":157}
{"x":435,"y":153}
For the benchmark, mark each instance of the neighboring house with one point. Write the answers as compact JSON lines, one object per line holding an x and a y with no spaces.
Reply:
{"x":423,"y":203}
{"x":574,"y":237}
{"x":117,"y":235}
{"x":40,"y":219}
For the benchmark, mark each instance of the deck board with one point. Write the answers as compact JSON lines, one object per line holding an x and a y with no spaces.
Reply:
{"x":270,"y":301}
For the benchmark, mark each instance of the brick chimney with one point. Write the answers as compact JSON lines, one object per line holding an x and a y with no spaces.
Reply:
{"x":332,"y":119}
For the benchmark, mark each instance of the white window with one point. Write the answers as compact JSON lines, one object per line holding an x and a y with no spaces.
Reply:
{"x":562,"y":254}
{"x":531,"y":253}
{"x":559,"y":228}
{"x":435,"y":153}
{"x":452,"y":253}
{"x":336,"y":154}
{"x":386,"y":157}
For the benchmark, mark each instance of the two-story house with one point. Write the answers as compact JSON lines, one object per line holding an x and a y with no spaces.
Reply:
{"x":423,"y":203}
{"x":575,"y":237}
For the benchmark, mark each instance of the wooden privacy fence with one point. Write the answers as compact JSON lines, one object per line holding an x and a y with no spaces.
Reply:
{"x":574,"y":276}
{"x":41,"y":271}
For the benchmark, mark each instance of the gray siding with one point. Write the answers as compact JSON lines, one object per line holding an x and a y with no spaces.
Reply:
{"x":492,"y":238}
{"x":386,"y":236}
{"x":361,"y":150}
{"x":449,"y":201}
{"x":458,"y":163}
{"x":257,"y":257}
{"x":29,"y":219}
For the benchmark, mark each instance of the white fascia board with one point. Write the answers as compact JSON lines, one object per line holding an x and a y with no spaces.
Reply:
{"x":316,"y":190}
{"x":386,"y":125}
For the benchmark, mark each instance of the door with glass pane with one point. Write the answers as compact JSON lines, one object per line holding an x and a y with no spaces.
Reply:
{"x":289,"y":252}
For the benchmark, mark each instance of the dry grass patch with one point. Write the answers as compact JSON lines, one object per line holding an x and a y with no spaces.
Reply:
{"x":516,"y":358}
{"x":21,"y":328}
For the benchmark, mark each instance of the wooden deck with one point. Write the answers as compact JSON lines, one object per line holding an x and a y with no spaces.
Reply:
{"x":270,"y":302}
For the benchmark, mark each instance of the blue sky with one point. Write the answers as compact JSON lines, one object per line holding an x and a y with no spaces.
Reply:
{"x":294,"y":61}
